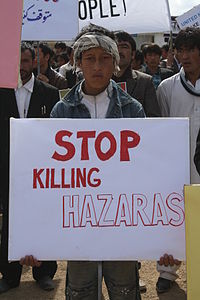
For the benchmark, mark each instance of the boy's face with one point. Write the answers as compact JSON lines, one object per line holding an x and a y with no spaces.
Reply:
{"x":97,"y":66}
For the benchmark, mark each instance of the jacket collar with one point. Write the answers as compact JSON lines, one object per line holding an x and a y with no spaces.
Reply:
{"x":75,"y":96}
{"x":118,"y":98}
{"x":126,"y":75}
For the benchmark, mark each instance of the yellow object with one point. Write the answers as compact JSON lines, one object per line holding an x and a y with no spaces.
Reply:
{"x":63,"y":93}
{"x":192,"y":228}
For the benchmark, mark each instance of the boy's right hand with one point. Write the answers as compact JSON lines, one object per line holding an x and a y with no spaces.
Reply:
{"x":30,"y":260}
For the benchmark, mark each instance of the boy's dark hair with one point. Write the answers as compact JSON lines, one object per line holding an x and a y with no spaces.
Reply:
{"x":97,"y":29}
{"x":64,"y":56}
{"x":189,"y":38}
{"x":152,"y":48}
{"x":27,"y":46}
{"x":165,"y":47}
{"x":46,"y":49}
{"x":60,"y":45}
{"x":123,"y":36}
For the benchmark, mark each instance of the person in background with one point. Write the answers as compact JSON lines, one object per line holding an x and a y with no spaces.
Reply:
{"x":31,"y":99}
{"x":179,"y":96}
{"x":172,"y":62}
{"x":137,"y":84}
{"x":60,"y":47}
{"x":152,"y":54}
{"x":47,"y":73}
{"x":138,"y":60}
{"x":164,"y":51}
{"x":61,"y":59}
{"x":67,"y":70}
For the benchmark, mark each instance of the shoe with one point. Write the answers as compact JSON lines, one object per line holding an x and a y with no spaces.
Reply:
{"x":163,"y":285}
{"x":142,"y":286}
{"x":4,"y":287}
{"x":46,"y":283}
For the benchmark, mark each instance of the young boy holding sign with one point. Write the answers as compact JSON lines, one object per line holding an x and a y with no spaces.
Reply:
{"x":97,"y":96}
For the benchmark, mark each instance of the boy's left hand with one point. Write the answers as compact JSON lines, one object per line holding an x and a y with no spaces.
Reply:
{"x":167,"y":260}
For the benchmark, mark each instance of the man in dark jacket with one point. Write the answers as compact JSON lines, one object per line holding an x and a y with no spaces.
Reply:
{"x":47,"y":74}
{"x":137,"y":84}
{"x":32,"y":99}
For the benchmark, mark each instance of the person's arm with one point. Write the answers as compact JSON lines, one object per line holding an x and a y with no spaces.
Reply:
{"x":43,"y":78}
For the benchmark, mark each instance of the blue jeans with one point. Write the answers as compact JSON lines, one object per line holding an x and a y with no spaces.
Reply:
{"x":121,"y":279}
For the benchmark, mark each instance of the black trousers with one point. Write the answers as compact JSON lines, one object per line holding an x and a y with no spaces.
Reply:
{"x":12,"y":271}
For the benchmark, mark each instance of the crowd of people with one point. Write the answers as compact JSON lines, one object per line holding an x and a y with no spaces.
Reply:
{"x":127,"y":82}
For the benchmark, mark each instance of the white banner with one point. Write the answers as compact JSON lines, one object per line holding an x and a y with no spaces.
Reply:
{"x":98,"y":189}
{"x":58,"y":19}
{"x":49,"y":20}
{"x":133,"y":16}
{"x":190,"y":18}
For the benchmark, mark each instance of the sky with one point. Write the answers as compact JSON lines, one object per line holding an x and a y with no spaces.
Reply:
{"x":179,"y":7}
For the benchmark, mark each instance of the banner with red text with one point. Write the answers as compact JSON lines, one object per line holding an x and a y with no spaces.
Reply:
{"x":105,"y":189}
{"x":10,"y":36}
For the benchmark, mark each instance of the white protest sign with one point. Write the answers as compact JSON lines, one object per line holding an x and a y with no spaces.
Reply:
{"x":190,"y":19}
{"x":49,"y":20}
{"x":133,"y":16}
{"x":105,"y":189}
{"x":60,"y":19}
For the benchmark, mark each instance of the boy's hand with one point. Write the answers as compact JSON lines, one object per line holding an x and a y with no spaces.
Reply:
{"x":30,"y":260}
{"x":167,"y":260}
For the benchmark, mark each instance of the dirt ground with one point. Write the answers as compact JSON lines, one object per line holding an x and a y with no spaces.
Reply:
{"x":29,"y":290}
